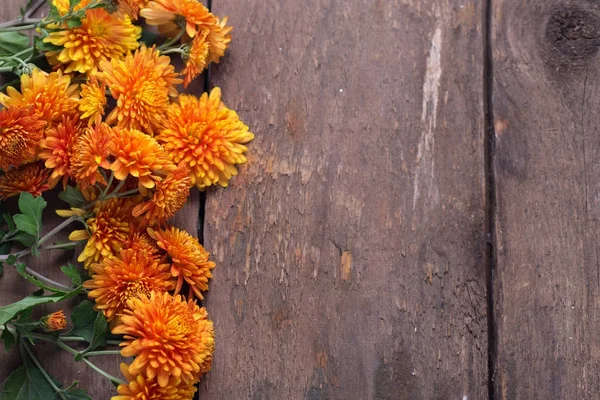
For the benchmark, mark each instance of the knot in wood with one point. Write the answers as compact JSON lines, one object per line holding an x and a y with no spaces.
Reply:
{"x":574,"y":33}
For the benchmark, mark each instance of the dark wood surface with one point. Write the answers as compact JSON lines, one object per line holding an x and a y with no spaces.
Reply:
{"x":350,"y":249}
{"x":545,"y":97}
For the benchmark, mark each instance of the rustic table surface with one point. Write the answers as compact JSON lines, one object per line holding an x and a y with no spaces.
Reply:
{"x":418,"y":218}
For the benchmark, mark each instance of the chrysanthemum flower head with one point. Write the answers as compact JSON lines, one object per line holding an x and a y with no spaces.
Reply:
{"x":57,"y":147}
{"x":101,"y":36}
{"x":169,"y":196}
{"x":20,"y":131}
{"x":169,"y":14}
{"x":138,"y":155}
{"x":63,"y":6}
{"x":219,"y":37}
{"x":55,"y":321}
{"x":51,"y":95}
{"x":90,"y":153}
{"x":31,"y":178}
{"x":141,"y":241}
{"x":141,"y":388}
{"x":189,"y":260}
{"x":142,"y":84}
{"x":132,"y":7}
{"x":93,"y":101}
{"x":207,"y":136}
{"x":196,"y":59}
{"x":126,"y":276}
{"x":107,"y":230}
{"x":168,"y":336}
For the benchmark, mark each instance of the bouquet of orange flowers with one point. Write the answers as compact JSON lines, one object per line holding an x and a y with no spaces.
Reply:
{"x":95,"y":112}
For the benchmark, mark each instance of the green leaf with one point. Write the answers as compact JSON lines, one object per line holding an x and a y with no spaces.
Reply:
{"x":30,"y":219}
{"x":72,"y":196}
{"x":76,"y":394}
{"x":24,"y":238}
{"x":83,"y":318}
{"x":9,"y":221}
{"x":21,"y":269}
{"x":149,"y":38}
{"x":27,"y":383}
{"x":11,"y":260}
{"x":72,"y":272}
{"x":12,"y":43}
{"x":73,"y":3}
{"x":43,"y":46}
{"x":5,"y":248}
{"x":10,"y":311}
{"x":100,"y":330}
{"x":74,"y":22}
{"x":8,"y":338}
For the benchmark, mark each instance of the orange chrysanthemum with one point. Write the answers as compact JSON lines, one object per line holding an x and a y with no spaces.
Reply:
{"x":90,"y":153}
{"x":107,"y":230}
{"x":168,"y":336}
{"x":63,"y":6}
{"x":140,"y":388}
{"x":196,"y":59}
{"x":189,"y":260}
{"x":55,"y":321}
{"x":207,"y":136}
{"x":132,"y":7}
{"x":51,"y":95}
{"x":93,"y":101}
{"x":101,"y":36}
{"x":57,"y":147}
{"x":31,"y":178}
{"x":20,"y":131}
{"x":142,"y":84}
{"x":139,"y":241}
{"x":170,"y":195}
{"x":138,"y":155}
{"x":125,"y":277}
{"x":219,"y":37}
{"x":166,"y":14}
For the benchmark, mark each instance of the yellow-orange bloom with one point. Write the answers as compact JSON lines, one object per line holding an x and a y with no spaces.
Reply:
{"x":196,"y":59}
{"x":101,"y":36}
{"x":57,"y":147}
{"x":132,"y":7}
{"x":63,"y":6}
{"x":189,"y":260}
{"x":139,"y":241}
{"x":138,"y":155}
{"x":166,"y":13}
{"x":90,"y":153}
{"x":54,"y":322}
{"x":207,"y":136}
{"x":141,"y":388}
{"x":168,"y":336}
{"x":31,"y":178}
{"x":170,"y":195}
{"x":219,"y":37}
{"x":107,"y":230}
{"x":20,"y":131}
{"x":125,"y":277}
{"x":93,"y":101}
{"x":142,"y":84}
{"x":51,"y":95}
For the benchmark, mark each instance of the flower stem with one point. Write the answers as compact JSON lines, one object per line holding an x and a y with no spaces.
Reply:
{"x":18,"y":28}
{"x":110,"y":181}
{"x":42,"y":370}
{"x":169,"y":42}
{"x":48,"y":281}
{"x":105,"y":374}
{"x":80,"y":339}
{"x":103,"y":353}
{"x":57,"y":229}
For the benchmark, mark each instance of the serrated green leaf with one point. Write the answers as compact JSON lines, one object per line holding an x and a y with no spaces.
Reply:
{"x":10,"y":311}
{"x":30,"y":219}
{"x":76,"y":394}
{"x":12,"y":43}
{"x":8,"y":338}
{"x":83,"y":318}
{"x":74,"y":22}
{"x":24,"y":238}
{"x":100,"y":330}
{"x":72,"y":196}
{"x":72,"y":272}
{"x":9,"y":221}
{"x":27,"y":383}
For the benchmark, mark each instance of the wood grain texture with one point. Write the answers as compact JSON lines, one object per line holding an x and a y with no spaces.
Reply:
{"x":12,"y":287}
{"x":350,"y":248}
{"x":546,"y":91}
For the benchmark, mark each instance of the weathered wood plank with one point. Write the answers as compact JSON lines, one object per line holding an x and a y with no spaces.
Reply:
{"x":350,"y":250}
{"x":12,"y":287}
{"x":546,"y":86}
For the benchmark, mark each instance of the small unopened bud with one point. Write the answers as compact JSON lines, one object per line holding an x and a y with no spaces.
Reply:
{"x":54,"y":322}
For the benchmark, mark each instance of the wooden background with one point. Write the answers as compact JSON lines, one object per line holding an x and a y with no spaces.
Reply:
{"x":418,"y":216}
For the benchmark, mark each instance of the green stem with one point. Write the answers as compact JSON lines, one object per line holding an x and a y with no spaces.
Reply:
{"x":174,"y":50}
{"x":110,"y":181}
{"x":74,"y":352}
{"x":128,"y":193}
{"x":48,"y":281}
{"x":43,"y":371}
{"x":169,"y":42}
{"x":18,"y":28}
{"x":61,"y":245}
{"x":57,"y":229}
{"x":80,"y":339}
{"x":117,"y":188}
{"x":103,"y":353}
